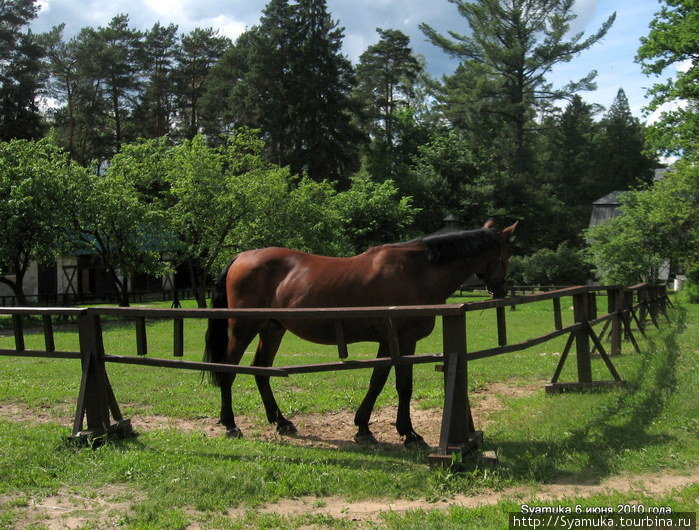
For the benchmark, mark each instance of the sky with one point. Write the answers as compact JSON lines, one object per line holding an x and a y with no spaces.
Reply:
{"x":613,"y":57}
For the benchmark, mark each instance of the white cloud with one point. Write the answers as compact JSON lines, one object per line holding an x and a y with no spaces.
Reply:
{"x":225,"y":25}
{"x":43,"y":6}
{"x":172,"y":9}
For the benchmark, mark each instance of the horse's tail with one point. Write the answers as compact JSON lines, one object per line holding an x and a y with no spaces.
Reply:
{"x":217,"y":331}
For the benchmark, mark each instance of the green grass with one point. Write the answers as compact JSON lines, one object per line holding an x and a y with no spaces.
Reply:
{"x":172,"y":478}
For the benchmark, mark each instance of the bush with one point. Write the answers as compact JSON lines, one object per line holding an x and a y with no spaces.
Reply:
{"x":563,"y":266}
{"x":690,"y":290}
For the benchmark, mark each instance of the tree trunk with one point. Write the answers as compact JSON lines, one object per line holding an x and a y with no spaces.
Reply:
{"x":124,"y":294}
{"x":121,"y":286}
{"x":17,"y":287}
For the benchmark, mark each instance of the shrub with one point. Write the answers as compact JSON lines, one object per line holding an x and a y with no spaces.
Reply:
{"x":691,"y":287}
{"x":563,"y":266}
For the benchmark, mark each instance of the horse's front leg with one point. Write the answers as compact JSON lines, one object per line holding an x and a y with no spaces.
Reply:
{"x":241,"y":335}
{"x":376,"y":384}
{"x":404,"y":387}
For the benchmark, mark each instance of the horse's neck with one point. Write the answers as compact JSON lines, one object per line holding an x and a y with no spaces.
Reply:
{"x":448,"y":277}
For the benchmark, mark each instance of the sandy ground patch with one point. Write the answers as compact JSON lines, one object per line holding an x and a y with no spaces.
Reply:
{"x":102,"y":508}
{"x":326,"y":430}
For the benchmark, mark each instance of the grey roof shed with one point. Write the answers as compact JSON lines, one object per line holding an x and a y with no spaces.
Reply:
{"x":605,"y":208}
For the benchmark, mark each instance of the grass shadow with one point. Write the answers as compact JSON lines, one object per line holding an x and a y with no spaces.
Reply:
{"x":619,"y":427}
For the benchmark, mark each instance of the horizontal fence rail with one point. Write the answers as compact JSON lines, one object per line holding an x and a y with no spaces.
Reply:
{"x":626,"y":306}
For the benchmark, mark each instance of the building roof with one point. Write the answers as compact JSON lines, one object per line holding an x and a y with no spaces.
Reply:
{"x":610,"y":199}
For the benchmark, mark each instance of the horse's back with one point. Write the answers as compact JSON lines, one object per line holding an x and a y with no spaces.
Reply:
{"x":279,"y":277}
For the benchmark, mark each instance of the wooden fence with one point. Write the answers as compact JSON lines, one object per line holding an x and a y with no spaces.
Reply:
{"x":97,"y":406}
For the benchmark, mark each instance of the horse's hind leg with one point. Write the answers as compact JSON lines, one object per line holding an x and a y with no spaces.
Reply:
{"x":242,"y":333}
{"x":270,"y":338}
{"x":376,"y":384}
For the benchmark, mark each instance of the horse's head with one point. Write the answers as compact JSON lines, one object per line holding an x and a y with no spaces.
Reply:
{"x":494,"y":271}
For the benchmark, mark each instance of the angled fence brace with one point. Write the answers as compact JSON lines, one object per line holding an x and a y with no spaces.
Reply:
{"x":584,"y":309}
{"x":97,"y":405}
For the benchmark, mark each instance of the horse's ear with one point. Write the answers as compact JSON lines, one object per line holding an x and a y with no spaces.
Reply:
{"x":507,"y":232}
{"x":489,"y":224}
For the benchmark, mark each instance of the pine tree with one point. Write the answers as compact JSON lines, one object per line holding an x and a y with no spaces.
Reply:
{"x":21,"y":72}
{"x":621,"y":162}
{"x":153,"y":115}
{"x":81,"y":125}
{"x":116,"y":53}
{"x":253,"y":78}
{"x":501,"y":82}
{"x":288,"y":78}
{"x":199,"y":51}
{"x":97,"y":74}
{"x":569,"y":169}
{"x":325,"y":142}
{"x":388,"y":75}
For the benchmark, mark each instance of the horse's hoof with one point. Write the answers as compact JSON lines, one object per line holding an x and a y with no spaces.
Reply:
{"x":234,"y":432}
{"x":415,"y":441}
{"x":286,"y":429}
{"x":365,"y":439}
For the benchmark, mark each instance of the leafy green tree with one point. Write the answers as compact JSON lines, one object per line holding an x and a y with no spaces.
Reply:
{"x":299,"y":214}
{"x":501,"y":81}
{"x":563,"y":266}
{"x":33,"y":175}
{"x":373,"y":213}
{"x":655,"y":224}
{"x":674,"y":40}
{"x":449,"y":176}
{"x":107,"y":216}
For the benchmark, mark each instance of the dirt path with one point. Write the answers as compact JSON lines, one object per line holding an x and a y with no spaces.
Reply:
{"x":369,"y":511}
{"x":106,"y":507}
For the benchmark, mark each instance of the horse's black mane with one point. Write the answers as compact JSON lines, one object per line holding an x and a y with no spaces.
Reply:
{"x":445,"y":247}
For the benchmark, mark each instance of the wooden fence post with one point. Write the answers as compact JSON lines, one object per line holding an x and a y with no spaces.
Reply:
{"x":457,"y":433}
{"x":642,"y":295}
{"x":96,"y":399}
{"x":653,"y":304}
{"x":581,"y":314}
{"x":502,"y":325}
{"x":557,"y":320}
{"x":614,"y":306}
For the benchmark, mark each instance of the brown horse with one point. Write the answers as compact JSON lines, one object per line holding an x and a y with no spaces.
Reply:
{"x":419,"y":272}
